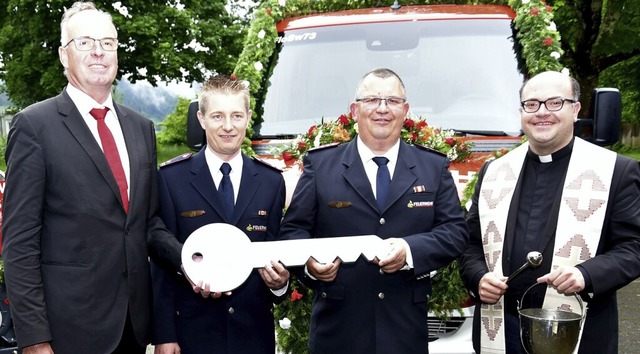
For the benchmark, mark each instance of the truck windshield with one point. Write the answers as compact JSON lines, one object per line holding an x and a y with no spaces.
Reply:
{"x":459,"y":74}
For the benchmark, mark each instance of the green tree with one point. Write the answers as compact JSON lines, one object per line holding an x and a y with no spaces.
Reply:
{"x":157,"y":42}
{"x":174,"y":126}
{"x":602,"y":37}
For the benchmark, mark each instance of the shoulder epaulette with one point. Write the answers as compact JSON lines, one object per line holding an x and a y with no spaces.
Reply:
{"x":430,"y":150}
{"x":265,"y":163}
{"x":322,"y":147}
{"x":183,"y":157}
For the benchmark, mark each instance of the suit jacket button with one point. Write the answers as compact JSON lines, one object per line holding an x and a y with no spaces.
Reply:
{"x":231,"y":310}
{"x":381,"y":296}
{"x":381,"y":271}
{"x":324,"y":295}
{"x":177,"y":313}
{"x":382,"y":221}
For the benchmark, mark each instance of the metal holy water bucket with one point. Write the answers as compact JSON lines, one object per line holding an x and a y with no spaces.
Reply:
{"x":546,"y":331}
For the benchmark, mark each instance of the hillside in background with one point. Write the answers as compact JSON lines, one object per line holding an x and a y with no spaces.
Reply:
{"x":4,"y":101}
{"x":154,"y":103}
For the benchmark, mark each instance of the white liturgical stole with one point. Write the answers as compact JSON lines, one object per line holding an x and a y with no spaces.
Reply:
{"x":583,"y":205}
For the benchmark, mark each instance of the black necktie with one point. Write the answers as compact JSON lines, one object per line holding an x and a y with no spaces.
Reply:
{"x":226,"y":190}
{"x":383,"y":180}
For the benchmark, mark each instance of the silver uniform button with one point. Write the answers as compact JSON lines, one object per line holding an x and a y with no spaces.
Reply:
{"x":231,"y":310}
{"x":324,"y":295}
{"x":381,"y":271}
{"x":381,"y":296}
{"x":382,"y":221}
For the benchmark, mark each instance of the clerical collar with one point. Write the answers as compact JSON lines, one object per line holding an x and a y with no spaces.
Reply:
{"x":565,"y":151}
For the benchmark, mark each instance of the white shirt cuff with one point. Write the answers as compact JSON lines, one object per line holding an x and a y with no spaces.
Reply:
{"x":281,"y":291}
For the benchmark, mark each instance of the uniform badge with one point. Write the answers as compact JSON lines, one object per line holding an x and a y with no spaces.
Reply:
{"x":419,"y":189}
{"x":192,"y":213}
{"x":412,"y":204}
{"x":339,"y":205}
{"x":179,"y":158}
{"x":256,"y":228}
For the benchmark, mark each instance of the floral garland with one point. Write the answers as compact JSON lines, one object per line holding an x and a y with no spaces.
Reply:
{"x":539,"y":41}
{"x":537,"y":35}
{"x":343,"y":129}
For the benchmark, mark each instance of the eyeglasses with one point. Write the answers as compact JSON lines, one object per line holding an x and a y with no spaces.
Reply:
{"x":552,"y":104}
{"x":85,"y":43}
{"x":374,"y":102}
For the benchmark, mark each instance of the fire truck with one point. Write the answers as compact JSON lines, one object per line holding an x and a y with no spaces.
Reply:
{"x":462,"y":71}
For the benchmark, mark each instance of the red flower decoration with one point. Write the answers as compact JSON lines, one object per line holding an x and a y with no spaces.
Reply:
{"x":409,"y":123}
{"x":295,"y":295}
{"x":287,"y":155}
{"x":548,"y":41}
{"x":312,"y":131}
{"x":233,"y":77}
{"x":549,"y":8}
{"x":268,"y":11}
{"x":344,"y":129}
{"x":534,"y":11}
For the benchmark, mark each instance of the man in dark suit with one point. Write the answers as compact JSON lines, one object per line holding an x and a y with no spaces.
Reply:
{"x":574,"y":202}
{"x":376,"y":307}
{"x":78,"y":232}
{"x":192,"y":194}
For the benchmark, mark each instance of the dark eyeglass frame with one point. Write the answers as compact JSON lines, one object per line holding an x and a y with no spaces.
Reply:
{"x":540,"y":103}
{"x":93,"y":43}
{"x":375,"y":102}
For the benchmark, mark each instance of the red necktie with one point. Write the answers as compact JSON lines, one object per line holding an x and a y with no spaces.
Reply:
{"x":111,"y":153}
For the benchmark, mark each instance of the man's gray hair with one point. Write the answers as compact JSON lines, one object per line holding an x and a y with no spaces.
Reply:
{"x":77,"y":7}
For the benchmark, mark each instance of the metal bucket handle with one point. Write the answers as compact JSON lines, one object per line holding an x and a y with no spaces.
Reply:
{"x":582,"y":312}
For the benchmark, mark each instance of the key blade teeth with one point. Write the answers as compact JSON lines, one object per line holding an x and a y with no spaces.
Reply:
{"x":348,"y":249}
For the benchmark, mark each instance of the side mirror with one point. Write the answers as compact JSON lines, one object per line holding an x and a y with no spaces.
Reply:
{"x":195,"y":134}
{"x":603,"y":127}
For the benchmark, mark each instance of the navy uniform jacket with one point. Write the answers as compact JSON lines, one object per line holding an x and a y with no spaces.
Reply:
{"x":242,"y":322}
{"x":364,"y":310}
{"x":617,"y":260}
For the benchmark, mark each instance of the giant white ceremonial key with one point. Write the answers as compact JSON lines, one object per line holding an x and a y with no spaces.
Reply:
{"x":223,"y":256}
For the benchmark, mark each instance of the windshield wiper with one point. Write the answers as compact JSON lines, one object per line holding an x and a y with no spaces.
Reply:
{"x":480,"y":132}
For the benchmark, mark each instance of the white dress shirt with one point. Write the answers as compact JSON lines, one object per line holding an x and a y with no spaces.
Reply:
{"x":85,"y":104}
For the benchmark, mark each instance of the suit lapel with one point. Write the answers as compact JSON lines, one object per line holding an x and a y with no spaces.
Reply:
{"x":132,"y":142}
{"x":403,"y":176}
{"x":202,"y":182}
{"x":356,"y":176}
{"x":250,"y":183}
{"x":78,"y":128}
